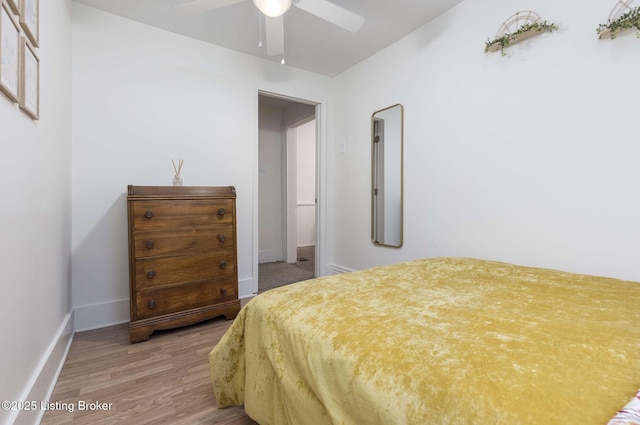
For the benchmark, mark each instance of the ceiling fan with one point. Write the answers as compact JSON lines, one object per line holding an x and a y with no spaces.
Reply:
{"x":274,"y":11}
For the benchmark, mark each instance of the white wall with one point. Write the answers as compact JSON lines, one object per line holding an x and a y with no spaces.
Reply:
{"x":35,"y":211}
{"x":306,"y":165}
{"x":530,"y":158}
{"x":306,"y":184}
{"x":142,"y":97}
{"x":270,"y":198}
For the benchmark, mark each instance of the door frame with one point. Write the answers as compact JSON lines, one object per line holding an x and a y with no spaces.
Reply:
{"x":321,"y":179}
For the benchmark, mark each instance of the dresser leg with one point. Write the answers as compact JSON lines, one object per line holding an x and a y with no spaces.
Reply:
{"x":140,"y":334}
{"x":230,"y":316}
{"x":231,"y":313}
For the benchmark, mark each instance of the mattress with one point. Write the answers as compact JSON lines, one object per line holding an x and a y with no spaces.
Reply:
{"x":434,"y":341}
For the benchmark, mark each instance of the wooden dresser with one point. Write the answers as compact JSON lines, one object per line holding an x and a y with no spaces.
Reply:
{"x":182,"y":256}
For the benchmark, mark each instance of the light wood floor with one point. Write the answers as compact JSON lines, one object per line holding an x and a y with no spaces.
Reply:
{"x":161,"y":381}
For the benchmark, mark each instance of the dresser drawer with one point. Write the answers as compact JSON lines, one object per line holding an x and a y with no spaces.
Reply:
{"x":179,"y":213}
{"x":159,"y":301}
{"x":170,"y":270}
{"x":183,"y":241}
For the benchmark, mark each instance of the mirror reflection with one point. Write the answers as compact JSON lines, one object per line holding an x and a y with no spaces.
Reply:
{"x":386,"y":176}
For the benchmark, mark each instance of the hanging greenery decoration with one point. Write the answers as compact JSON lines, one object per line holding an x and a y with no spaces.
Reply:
{"x":524,"y":32}
{"x":627,"y":20}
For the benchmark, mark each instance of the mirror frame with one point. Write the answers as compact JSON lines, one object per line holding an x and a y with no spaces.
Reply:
{"x":373,"y":178}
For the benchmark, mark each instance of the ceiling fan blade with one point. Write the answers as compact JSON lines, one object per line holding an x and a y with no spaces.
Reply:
{"x":332,"y":13}
{"x":199,"y":6}
{"x":274,"y":34}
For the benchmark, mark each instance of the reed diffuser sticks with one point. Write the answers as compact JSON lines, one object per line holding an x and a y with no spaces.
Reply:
{"x":177,"y":170}
{"x":177,"y":181}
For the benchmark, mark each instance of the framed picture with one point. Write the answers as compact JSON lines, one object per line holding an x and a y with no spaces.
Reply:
{"x":14,"y":5}
{"x":30,"y":81}
{"x":9,"y":54}
{"x":30,"y":20}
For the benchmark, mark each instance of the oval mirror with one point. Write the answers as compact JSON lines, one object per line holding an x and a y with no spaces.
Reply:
{"x":386,"y":176}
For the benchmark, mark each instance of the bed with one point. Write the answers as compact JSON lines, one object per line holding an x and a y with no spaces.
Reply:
{"x":435,"y":341}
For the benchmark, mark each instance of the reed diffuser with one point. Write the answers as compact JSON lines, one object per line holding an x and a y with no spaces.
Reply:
{"x":177,"y":180}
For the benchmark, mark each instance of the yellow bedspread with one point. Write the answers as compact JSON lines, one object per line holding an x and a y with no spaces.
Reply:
{"x":435,"y":341}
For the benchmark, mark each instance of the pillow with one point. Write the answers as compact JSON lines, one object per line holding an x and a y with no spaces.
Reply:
{"x":630,"y":414}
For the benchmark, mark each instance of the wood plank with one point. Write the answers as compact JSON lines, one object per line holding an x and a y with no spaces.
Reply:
{"x":163,"y":380}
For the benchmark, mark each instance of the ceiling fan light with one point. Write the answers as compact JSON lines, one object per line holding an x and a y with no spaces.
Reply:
{"x":273,"y":8}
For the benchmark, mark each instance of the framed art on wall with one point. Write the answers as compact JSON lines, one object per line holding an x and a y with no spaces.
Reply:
{"x":30,"y":81}
{"x":9,"y":54}
{"x":30,"y":20}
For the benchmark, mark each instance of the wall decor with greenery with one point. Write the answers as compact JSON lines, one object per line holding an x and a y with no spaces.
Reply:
{"x":623,"y":16}
{"x":518,"y":27}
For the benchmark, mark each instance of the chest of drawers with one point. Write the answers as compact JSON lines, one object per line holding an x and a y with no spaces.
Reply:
{"x":182,"y":256}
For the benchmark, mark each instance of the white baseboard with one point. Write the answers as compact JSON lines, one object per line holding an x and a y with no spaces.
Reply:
{"x":247,"y":288}
{"x":336,"y":269}
{"x":44,"y":379}
{"x":95,"y":316}
{"x":101,"y":315}
{"x":245,"y":300}
{"x":270,"y":256}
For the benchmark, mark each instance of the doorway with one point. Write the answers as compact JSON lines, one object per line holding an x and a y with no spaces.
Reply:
{"x":288,"y":245}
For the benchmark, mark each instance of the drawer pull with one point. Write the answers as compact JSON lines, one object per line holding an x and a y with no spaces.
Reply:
{"x":221,"y":212}
{"x":151,"y":304}
{"x":149,"y":244}
{"x":221,"y":237}
{"x":223,"y":291}
{"x":148,"y":215}
{"x":151,"y":274}
{"x":223,"y":264}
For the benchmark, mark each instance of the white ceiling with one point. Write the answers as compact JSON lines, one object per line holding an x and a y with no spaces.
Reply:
{"x":310,"y":43}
